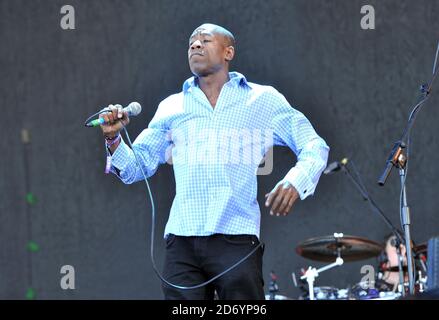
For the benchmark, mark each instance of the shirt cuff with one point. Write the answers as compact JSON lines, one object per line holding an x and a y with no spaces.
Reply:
{"x":120,"y":156}
{"x":300,"y":182}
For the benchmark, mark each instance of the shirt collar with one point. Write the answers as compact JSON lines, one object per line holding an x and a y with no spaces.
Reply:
{"x":236,"y":78}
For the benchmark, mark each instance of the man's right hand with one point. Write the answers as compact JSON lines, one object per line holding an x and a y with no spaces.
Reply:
{"x":115,"y":120}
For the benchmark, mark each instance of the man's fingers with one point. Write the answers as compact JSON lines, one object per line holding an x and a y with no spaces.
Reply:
{"x":124,"y":119}
{"x":113,"y":123}
{"x":276,"y":203}
{"x":118,"y":111}
{"x":281,"y":199}
{"x":268,"y":201}
{"x":271,"y":195}
{"x":283,"y":206}
{"x":288,"y":201}
{"x":109,"y":115}
{"x":294,"y":197}
{"x":290,"y":204}
{"x":106,"y":117}
{"x":114,"y":114}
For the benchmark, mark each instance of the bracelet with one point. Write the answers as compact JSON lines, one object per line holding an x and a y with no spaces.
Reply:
{"x":111,"y":141}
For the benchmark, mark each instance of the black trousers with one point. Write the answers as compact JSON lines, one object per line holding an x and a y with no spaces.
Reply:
{"x":192,"y":260}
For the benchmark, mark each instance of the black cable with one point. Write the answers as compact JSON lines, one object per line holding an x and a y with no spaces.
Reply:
{"x":360,"y":180}
{"x":153,"y":223}
{"x":425,"y":90}
{"x":367,"y":197}
{"x":152,"y":235}
{"x":405,"y":142}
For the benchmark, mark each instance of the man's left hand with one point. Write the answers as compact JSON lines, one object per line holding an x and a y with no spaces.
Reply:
{"x":281,"y":199}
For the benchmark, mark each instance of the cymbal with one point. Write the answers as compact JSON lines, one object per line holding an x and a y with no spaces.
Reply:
{"x":327,"y":248}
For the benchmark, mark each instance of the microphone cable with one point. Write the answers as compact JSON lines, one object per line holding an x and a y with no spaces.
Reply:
{"x":153,"y":224}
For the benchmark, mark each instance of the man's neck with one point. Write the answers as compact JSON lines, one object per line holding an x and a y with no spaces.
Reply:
{"x":212,"y":84}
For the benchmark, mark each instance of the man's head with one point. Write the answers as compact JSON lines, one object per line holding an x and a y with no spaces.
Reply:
{"x":391,"y":252}
{"x":211,"y":48}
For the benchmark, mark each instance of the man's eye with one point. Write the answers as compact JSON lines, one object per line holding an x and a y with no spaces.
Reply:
{"x":206,"y":40}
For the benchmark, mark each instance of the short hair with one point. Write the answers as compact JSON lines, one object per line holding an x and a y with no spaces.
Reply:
{"x":226,"y":34}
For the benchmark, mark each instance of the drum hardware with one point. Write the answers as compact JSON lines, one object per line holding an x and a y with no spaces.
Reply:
{"x":312,"y":273}
{"x":345,"y":248}
{"x":363,"y":291}
{"x":358,"y":183}
{"x":339,"y":247}
{"x":421,"y":282}
{"x":273,"y":287}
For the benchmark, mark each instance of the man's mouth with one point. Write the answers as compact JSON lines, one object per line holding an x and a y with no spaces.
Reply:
{"x":195,"y":54}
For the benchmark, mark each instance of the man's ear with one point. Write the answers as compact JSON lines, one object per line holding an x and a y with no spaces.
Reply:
{"x":230,"y":53}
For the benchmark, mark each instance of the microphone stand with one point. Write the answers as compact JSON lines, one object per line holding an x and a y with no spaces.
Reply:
{"x":398,"y":159}
{"x":399,"y":238}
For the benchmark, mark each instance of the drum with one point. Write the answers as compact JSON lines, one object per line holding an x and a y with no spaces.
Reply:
{"x":276,"y":297}
{"x":365,"y":291}
{"x":328,"y":293}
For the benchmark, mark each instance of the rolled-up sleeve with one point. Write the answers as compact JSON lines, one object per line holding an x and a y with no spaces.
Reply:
{"x":291,"y":128}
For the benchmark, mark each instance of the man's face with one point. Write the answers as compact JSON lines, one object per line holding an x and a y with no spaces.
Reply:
{"x":392,"y":254}
{"x":208,"y":52}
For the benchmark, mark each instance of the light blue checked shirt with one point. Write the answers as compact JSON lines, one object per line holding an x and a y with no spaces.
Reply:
{"x":216,"y":153}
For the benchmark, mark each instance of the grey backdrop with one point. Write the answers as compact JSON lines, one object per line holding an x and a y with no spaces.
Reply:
{"x":356,"y":87}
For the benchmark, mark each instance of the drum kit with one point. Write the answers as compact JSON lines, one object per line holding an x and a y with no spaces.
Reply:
{"x":338,"y":249}
{"x":408,"y":277}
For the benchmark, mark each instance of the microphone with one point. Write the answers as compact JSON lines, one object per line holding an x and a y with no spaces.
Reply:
{"x":335,"y":166}
{"x":133,"y":109}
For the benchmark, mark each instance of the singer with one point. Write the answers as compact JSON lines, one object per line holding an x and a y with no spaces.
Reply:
{"x":215,"y":217}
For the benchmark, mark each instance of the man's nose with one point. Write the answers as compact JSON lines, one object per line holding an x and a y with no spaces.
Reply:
{"x":196,"y":45}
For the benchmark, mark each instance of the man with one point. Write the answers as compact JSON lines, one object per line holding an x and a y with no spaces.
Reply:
{"x":215,"y":217}
{"x":390,"y":277}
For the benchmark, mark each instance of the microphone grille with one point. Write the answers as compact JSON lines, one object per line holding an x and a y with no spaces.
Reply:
{"x":134,"y":108}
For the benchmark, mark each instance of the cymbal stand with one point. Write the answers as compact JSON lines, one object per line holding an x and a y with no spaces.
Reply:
{"x":312,"y":273}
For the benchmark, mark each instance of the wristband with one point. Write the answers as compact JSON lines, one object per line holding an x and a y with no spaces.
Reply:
{"x":112,"y":141}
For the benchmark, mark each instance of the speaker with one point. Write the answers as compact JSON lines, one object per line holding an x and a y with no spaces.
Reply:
{"x":433,"y":264}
